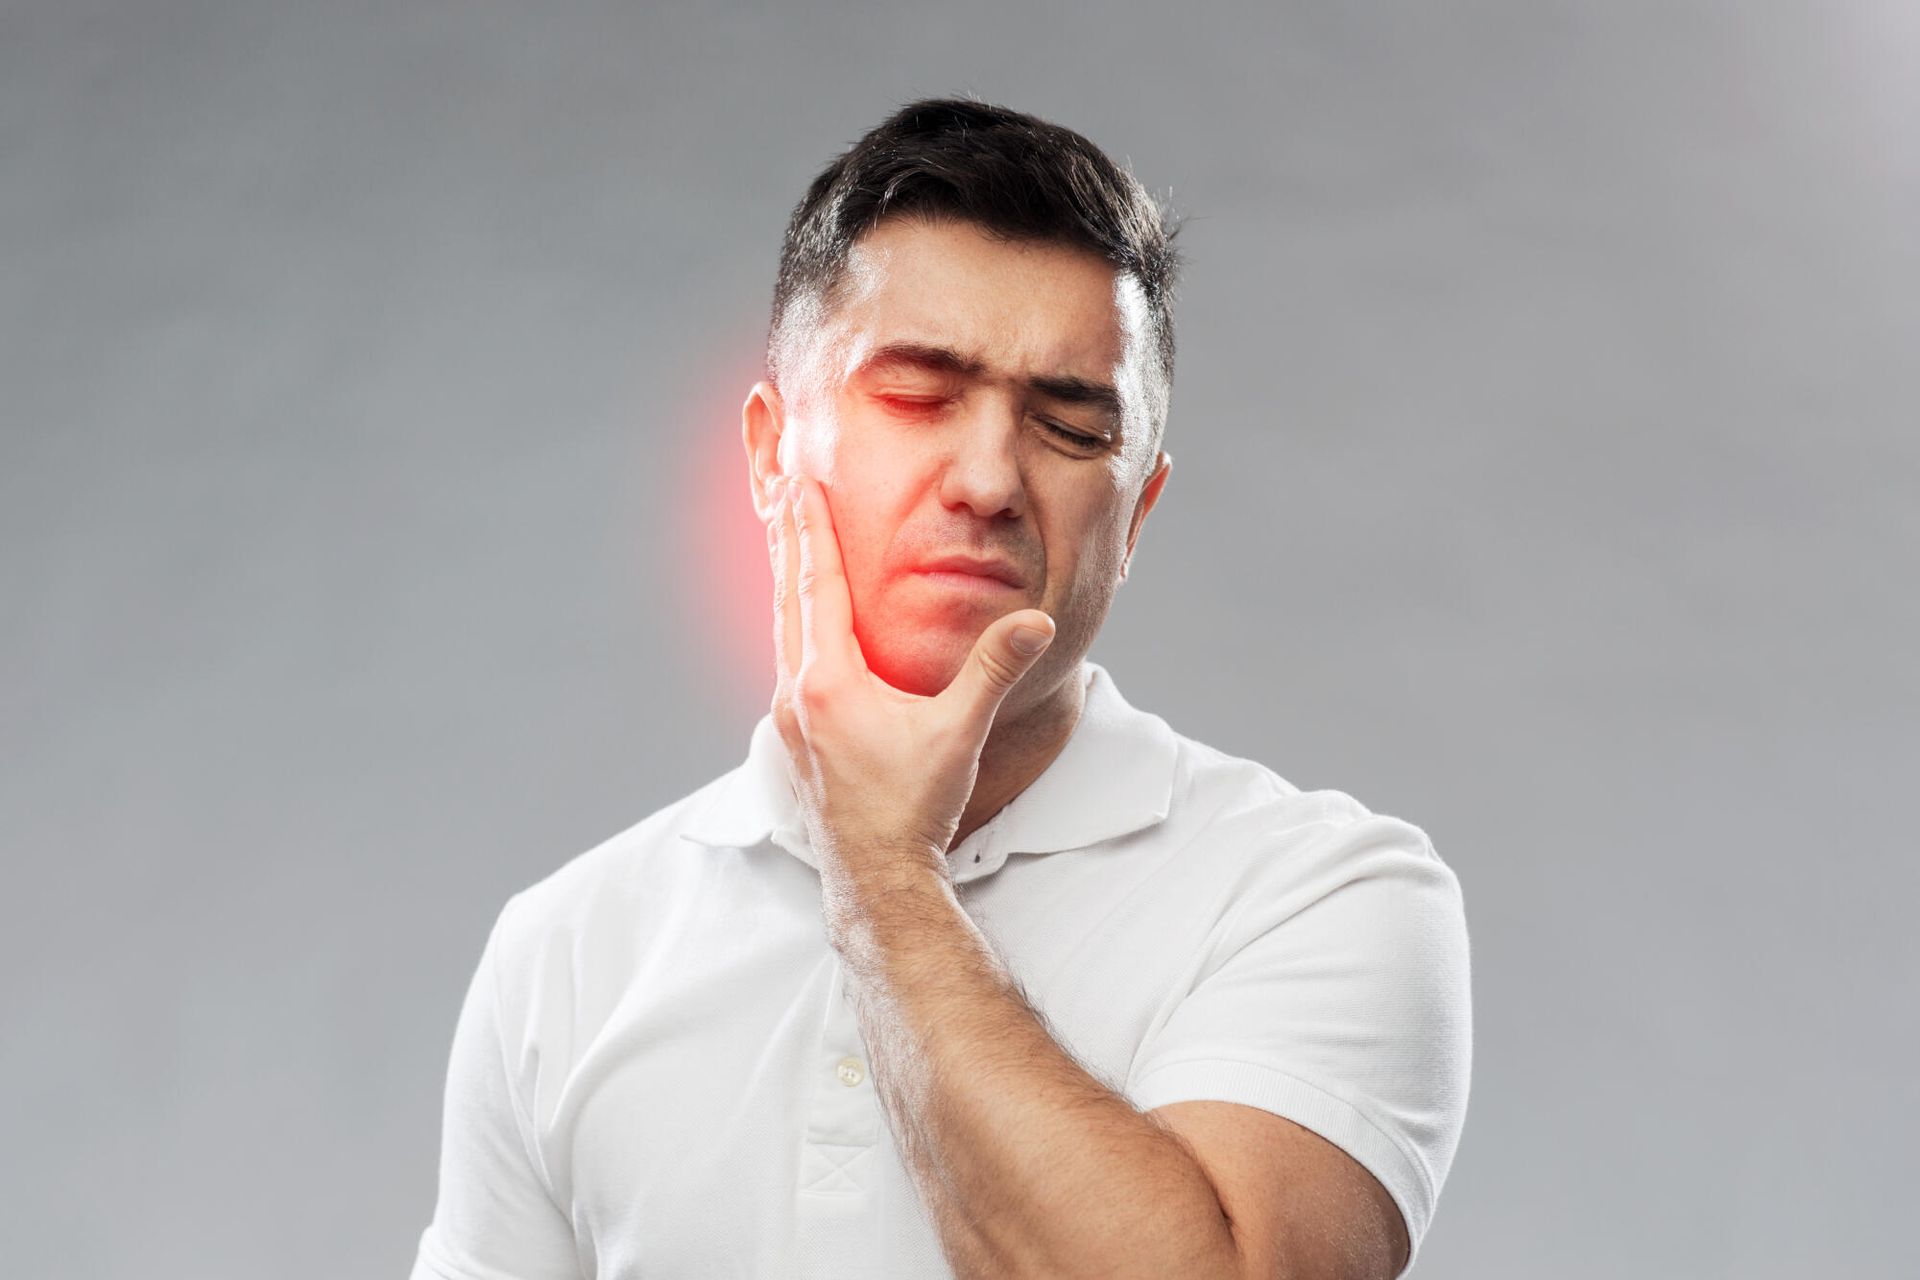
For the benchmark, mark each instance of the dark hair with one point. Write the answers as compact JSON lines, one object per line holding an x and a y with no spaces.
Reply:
{"x":1013,"y":174}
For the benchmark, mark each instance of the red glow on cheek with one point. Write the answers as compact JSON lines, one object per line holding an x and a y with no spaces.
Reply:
{"x":710,"y":546}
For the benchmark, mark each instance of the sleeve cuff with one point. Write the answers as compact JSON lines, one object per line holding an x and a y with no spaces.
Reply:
{"x":1311,"y":1107}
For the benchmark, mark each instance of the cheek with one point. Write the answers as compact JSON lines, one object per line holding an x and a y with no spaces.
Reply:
{"x":1096,"y":558}
{"x":860,"y":556}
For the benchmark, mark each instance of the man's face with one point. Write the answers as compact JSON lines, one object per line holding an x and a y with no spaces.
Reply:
{"x":975,"y":397}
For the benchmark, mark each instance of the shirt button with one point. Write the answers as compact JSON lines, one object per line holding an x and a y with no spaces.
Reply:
{"x":851,"y":1072}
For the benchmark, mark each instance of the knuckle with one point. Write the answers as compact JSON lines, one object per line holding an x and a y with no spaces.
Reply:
{"x":997,"y":669}
{"x":818,"y":688}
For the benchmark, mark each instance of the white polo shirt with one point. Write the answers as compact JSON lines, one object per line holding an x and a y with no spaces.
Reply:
{"x":657,"y":1071}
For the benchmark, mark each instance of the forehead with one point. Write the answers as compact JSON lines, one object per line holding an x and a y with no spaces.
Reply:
{"x":1020,"y":308}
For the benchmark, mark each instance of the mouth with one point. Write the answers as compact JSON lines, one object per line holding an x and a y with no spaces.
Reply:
{"x":970,"y":583}
{"x":1000,"y":573}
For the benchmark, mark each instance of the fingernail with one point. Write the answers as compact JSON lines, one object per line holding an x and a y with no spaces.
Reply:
{"x":1030,"y":639}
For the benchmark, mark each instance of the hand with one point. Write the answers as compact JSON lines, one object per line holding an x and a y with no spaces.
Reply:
{"x":883,"y":776}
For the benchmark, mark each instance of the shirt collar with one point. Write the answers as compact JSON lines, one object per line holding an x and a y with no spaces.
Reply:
{"x":1113,"y":777}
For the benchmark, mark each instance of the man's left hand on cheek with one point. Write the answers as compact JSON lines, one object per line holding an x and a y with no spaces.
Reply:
{"x":883,"y":776}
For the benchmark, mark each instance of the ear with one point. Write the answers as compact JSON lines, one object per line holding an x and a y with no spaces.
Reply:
{"x":1149,"y":495}
{"x":762,"y":423}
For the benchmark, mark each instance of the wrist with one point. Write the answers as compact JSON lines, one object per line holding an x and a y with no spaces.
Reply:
{"x":886,"y":902}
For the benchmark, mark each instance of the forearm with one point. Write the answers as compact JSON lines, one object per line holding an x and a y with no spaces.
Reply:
{"x":1028,"y":1165}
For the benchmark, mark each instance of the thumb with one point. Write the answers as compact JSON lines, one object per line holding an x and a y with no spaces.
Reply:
{"x":998,"y":662}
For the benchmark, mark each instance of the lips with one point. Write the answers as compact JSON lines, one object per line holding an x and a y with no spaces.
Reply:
{"x":1003,"y":570}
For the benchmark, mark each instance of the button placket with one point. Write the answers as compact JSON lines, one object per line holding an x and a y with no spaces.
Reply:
{"x":843,"y":1116}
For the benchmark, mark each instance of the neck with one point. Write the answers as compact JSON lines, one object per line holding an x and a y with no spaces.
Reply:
{"x":1019,"y":749}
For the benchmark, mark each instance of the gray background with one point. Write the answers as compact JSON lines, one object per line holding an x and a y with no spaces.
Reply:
{"x":1546,"y":474}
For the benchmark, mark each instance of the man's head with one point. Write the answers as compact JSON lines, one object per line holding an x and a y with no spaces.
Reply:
{"x":972,"y":350}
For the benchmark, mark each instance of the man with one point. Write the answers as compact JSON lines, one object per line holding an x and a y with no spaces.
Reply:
{"x":971,"y":968}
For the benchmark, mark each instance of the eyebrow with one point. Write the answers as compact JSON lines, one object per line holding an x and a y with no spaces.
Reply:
{"x":935,"y":359}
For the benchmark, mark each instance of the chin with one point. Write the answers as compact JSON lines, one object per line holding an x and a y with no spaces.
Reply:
{"x":922,"y":663}
{"x":925,"y":676}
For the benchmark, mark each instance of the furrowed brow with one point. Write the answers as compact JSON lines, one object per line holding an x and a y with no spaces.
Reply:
{"x":917,"y":355}
{"x":928,"y":358}
{"x":1072,"y":390}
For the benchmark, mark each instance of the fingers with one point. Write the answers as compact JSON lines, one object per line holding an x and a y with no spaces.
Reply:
{"x":826,"y":601}
{"x":998,"y":662}
{"x":784,"y":560}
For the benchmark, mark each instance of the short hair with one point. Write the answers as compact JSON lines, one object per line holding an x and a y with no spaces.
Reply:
{"x":1014,"y":175}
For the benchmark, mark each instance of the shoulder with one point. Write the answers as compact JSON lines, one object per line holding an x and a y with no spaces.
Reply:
{"x":1245,"y":804}
{"x":1319,"y":882}
{"x":601,"y":894}
{"x":1333,"y":986}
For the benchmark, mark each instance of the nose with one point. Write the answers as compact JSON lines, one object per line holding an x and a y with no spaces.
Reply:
{"x":983,"y":474}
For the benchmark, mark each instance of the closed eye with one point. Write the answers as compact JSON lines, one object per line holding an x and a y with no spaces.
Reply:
{"x":910,"y":404}
{"x":1084,"y":441}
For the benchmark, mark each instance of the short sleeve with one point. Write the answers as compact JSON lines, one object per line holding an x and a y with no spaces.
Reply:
{"x":1338,"y":997}
{"x":495,"y":1219}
